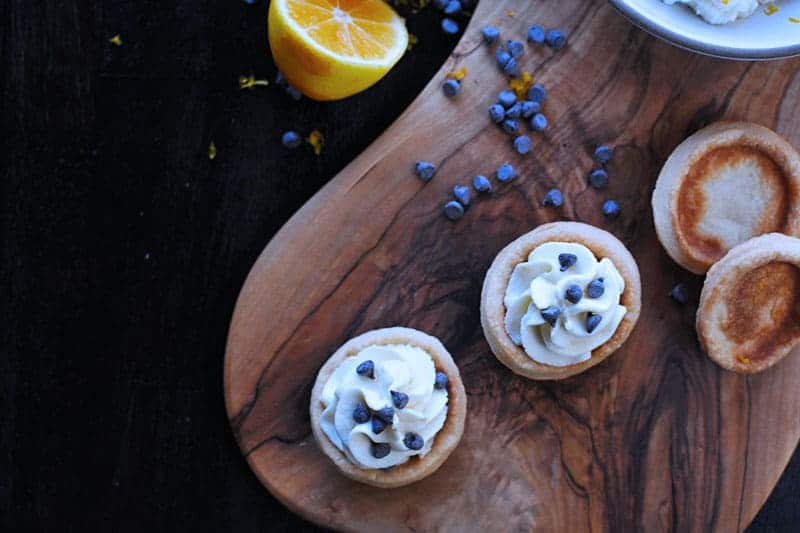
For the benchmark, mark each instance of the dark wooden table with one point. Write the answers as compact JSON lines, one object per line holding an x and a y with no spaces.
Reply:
{"x":124,"y":247}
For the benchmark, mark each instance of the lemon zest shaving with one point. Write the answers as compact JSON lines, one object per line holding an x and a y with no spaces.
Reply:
{"x":116,"y":40}
{"x":248,"y":82}
{"x":794,"y":20}
{"x":521,"y":85}
{"x":510,"y":13}
{"x":212,"y":151}
{"x":459,"y":74}
{"x":771,"y":9}
{"x":412,"y":40}
{"x":744,"y":360}
{"x":316,"y":140}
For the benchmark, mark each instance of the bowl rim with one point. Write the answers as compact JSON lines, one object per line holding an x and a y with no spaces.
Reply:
{"x":703,"y":47}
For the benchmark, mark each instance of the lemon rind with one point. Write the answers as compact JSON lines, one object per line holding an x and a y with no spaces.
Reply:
{"x":392,"y":55}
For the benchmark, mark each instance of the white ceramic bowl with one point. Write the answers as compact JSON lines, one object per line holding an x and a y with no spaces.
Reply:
{"x":758,"y":37}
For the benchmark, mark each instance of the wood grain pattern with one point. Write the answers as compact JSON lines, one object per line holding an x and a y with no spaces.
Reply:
{"x":655,"y":438}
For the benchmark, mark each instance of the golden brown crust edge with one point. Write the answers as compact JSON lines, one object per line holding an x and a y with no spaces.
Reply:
{"x":445,"y":441}
{"x":752,"y":254}
{"x":602,"y":244}
{"x":670,"y":180}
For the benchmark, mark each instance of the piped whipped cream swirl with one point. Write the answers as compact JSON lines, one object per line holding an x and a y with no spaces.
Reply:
{"x":721,"y":11}
{"x":399,"y":368}
{"x":546,"y":320}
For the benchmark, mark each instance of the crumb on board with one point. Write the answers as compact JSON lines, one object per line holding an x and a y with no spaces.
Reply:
{"x":458,"y":75}
{"x":212,"y":151}
{"x":412,"y":40}
{"x":248,"y":82}
{"x":116,"y":40}
{"x":521,"y":85}
{"x":316,"y":140}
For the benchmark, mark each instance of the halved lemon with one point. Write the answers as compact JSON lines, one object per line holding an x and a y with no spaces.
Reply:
{"x":331,"y":49}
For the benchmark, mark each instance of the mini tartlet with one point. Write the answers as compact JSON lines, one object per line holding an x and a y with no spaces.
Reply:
{"x":582,"y":292}
{"x":354,"y":407}
{"x":723,"y":185}
{"x":749,"y":313}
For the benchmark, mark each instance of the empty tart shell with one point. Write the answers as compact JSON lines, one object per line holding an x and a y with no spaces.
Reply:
{"x":725,"y":184}
{"x":444,"y":442}
{"x":749,"y":313}
{"x":493,"y":310}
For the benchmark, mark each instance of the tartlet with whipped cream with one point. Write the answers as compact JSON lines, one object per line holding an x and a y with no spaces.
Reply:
{"x":559,"y":300}
{"x":388,"y":407}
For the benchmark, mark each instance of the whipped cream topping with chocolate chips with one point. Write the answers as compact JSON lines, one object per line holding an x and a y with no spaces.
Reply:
{"x":384,"y":405}
{"x":562,"y":303}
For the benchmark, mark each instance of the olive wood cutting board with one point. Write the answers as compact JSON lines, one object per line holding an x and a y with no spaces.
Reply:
{"x":656,"y":438}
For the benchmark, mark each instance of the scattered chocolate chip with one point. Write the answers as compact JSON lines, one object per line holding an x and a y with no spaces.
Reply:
{"x":378,"y":425}
{"x":482,"y":184}
{"x":380,"y":449}
{"x":592,"y":321}
{"x":424,"y":170}
{"x":367,"y":369}
{"x":553,"y":198}
{"x":680,"y":293}
{"x":497,"y":113}
{"x":507,"y":98}
{"x":506,"y":172}
{"x":451,"y":88}
{"x":515,"y":48}
{"x":574,"y":294}
{"x":556,"y":39}
{"x":598,"y":178}
{"x":611,"y":209}
{"x":551,"y":314}
{"x":603,"y":154}
{"x":567,"y":260}
{"x":413,"y":441}
{"x":490,"y":34}
{"x":537,"y":93}
{"x":596,"y":288}
{"x":461,"y":193}
{"x":453,"y":210}
{"x":399,"y":399}
{"x":360,"y":413}
{"x":386,"y":414}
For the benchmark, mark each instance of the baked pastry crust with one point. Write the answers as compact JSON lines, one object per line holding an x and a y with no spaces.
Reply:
{"x":446,"y":439}
{"x":698,"y":198}
{"x":749,"y":313}
{"x":493,"y":309}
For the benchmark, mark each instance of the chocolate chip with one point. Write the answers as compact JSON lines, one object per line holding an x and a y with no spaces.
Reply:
{"x":596,"y":288}
{"x":592,"y":321}
{"x":378,"y":425}
{"x":574,"y":294}
{"x":567,"y":260}
{"x":680,"y":293}
{"x":441,"y":381}
{"x":367,"y":368}
{"x":551,"y":315}
{"x":399,"y":399}
{"x":380,"y":449}
{"x":386,"y":414}
{"x":360,"y":413}
{"x":413,"y":441}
